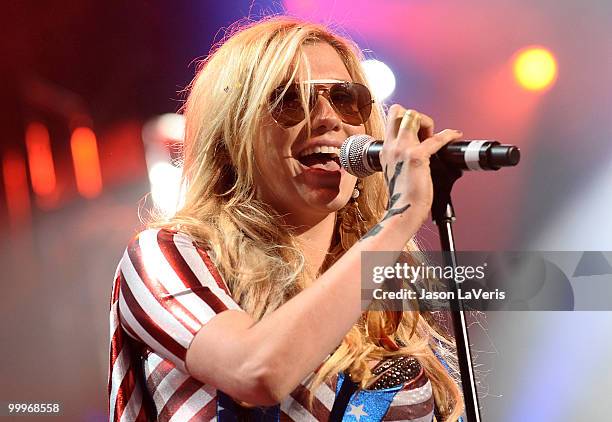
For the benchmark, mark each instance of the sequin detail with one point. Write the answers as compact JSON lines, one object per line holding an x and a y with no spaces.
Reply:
{"x":395,"y":371}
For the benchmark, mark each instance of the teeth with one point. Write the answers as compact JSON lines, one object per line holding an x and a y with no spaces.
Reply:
{"x":320,"y":149}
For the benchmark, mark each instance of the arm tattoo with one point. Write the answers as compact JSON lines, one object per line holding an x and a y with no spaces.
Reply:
{"x":393,"y":198}
{"x":391,"y":184}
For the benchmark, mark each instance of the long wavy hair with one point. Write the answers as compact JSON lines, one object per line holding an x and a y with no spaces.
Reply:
{"x":259,"y":259}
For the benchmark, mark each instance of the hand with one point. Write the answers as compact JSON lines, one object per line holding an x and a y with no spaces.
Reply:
{"x":405,"y":159}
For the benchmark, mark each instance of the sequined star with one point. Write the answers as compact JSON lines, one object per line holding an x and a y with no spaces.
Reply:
{"x":357,"y":411}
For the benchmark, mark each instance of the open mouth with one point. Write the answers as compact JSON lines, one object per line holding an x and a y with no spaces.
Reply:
{"x":321,"y":158}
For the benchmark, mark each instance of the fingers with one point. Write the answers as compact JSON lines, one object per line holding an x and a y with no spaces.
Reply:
{"x":437,"y":141}
{"x":427,"y":127}
{"x":408,"y":125}
{"x":409,"y":128}
{"x":411,"y":121}
{"x":394,"y":117}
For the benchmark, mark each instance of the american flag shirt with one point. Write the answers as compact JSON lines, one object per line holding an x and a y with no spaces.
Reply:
{"x":165,"y":289}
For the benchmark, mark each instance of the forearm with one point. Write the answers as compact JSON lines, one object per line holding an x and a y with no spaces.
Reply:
{"x":297,"y":337}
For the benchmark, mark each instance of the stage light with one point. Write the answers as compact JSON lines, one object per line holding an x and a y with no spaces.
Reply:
{"x":86,"y":162}
{"x":171,"y":126}
{"x":165,"y":186}
{"x":40,"y":159}
{"x":535,"y":68}
{"x":16,"y":187}
{"x":380,"y":77}
{"x":162,"y":137}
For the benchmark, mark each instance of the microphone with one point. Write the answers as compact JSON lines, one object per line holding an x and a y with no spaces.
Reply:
{"x":359,"y":155}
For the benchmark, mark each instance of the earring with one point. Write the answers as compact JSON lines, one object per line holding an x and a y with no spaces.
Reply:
{"x":357,"y":190}
{"x":354,"y":197}
{"x":351,"y":220}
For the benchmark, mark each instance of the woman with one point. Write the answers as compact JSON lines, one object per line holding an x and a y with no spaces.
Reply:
{"x":246,"y":304}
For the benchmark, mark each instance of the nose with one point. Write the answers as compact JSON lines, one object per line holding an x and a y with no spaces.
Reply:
{"x":324,"y":117}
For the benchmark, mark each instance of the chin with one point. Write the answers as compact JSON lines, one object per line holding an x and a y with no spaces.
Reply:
{"x":327,"y":202}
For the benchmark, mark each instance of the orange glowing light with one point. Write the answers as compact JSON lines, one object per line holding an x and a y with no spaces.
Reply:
{"x":16,"y":187}
{"x":86,"y":162}
{"x":535,"y":68}
{"x":40,"y":159}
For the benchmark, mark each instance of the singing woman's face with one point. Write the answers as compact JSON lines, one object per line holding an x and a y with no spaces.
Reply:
{"x":298,"y":183}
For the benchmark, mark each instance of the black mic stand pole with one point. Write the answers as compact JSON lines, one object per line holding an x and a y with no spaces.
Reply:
{"x":443,"y":215}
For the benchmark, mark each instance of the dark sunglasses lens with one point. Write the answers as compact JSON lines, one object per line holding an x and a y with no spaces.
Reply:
{"x":352,"y":101}
{"x":288,"y":112}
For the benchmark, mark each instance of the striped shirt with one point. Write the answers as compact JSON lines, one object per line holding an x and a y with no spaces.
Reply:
{"x":165,"y":289}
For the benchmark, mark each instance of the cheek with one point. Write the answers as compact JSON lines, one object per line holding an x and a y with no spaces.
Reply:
{"x":275,"y":142}
{"x":354,"y":130}
{"x":274,"y":166}
{"x":270,"y":147}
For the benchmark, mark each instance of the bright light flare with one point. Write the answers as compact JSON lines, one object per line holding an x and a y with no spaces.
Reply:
{"x":380,"y":78}
{"x":535,"y":68}
{"x":172,"y":126}
{"x":16,"y":187}
{"x":165,"y":182}
{"x":86,"y":162}
{"x":40,"y":159}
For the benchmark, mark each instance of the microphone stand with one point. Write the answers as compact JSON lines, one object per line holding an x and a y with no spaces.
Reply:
{"x":443,"y":215}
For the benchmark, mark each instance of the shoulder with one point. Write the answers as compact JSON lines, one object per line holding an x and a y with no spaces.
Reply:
{"x":160,"y":237}
{"x":161,"y":253}
{"x":166,"y":292}
{"x":155,"y":244}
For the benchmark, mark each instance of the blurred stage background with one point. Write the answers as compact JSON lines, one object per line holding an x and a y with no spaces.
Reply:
{"x":79,"y":81}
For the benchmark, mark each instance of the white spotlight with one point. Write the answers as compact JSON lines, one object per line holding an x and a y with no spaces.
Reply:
{"x":165,"y":186}
{"x":380,"y":77}
{"x":162,"y":137}
{"x":172,"y":126}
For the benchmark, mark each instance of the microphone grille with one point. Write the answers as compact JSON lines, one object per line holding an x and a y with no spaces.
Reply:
{"x":353,"y":155}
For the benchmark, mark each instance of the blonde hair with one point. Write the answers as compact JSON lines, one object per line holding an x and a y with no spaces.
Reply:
{"x":260,"y":259}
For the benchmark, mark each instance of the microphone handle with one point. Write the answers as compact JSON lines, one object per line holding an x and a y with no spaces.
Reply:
{"x":464,"y":155}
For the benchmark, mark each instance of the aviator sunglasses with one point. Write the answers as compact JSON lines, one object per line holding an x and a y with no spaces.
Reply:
{"x":352,"y":101}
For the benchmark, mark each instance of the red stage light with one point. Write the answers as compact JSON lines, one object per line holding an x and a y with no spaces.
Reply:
{"x":40,"y":159}
{"x":86,"y":162}
{"x":16,"y":187}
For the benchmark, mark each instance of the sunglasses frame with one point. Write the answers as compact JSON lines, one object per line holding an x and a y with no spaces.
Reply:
{"x":318,"y":88}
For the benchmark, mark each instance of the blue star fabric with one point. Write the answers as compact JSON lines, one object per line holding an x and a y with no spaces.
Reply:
{"x":367,"y":405}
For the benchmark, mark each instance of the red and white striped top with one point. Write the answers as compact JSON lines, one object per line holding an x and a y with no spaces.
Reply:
{"x":165,"y":289}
